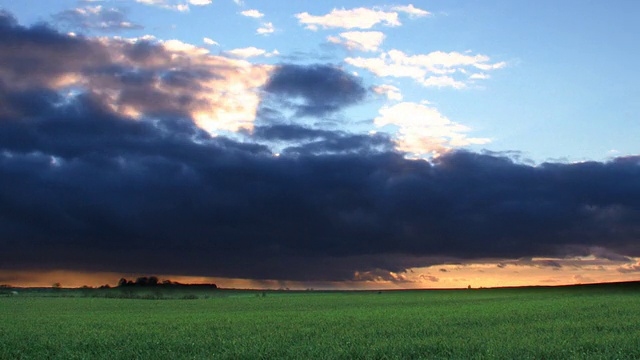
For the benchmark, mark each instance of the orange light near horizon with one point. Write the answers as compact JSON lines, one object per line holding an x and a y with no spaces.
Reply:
{"x":538,"y":272}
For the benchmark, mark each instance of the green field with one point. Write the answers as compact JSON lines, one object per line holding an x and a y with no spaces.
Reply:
{"x":601,"y":322}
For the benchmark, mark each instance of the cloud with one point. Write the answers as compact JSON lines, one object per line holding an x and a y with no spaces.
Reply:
{"x":177,"y":5}
{"x":95,"y":18}
{"x":103,"y":168}
{"x":266,"y":28}
{"x":380,"y":275}
{"x":359,"y":18}
{"x":315,"y":90}
{"x":135,"y":77}
{"x":250,"y":52}
{"x":209,"y":41}
{"x":306,"y":141}
{"x":390,"y":91}
{"x":430,"y":278}
{"x":411,"y":10}
{"x":434,"y":69}
{"x":479,"y":76}
{"x":359,"y":40}
{"x":200,"y":2}
{"x":253,"y":13}
{"x":165,"y":196}
{"x":630,"y":268}
{"x":424,"y":130}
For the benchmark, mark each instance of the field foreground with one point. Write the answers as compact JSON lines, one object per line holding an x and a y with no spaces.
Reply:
{"x":599,"y":322}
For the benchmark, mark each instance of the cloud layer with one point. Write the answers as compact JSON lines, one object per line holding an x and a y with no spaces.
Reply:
{"x":105,"y":165}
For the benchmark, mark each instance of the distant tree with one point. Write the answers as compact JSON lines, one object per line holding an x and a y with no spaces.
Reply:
{"x":142,"y":281}
{"x":122,"y":282}
{"x":152,"y":281}
{"x":56,"y":285}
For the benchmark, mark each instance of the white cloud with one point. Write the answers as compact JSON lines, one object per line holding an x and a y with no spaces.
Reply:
{"x":360,"y":18}
{"x":182,"y":47}
{"x":359,"y":40}
{"x":487,"y":67}
{"x":200,"y":2}
{"x":434,"y":69}
{"x":252,"y":13}
{"x":423,"y":130}
{"x":390,"y":91}
{"x":479,"y":76}
{"x":184,"y":7}
{"x":266,"y":28}
{"x":443,"y":81}
{"x":168,"y":4}
{"x":152,"y":2}
{"x":411,"y":10}
{"x":209,"y":41}
{"x":250,"y":52}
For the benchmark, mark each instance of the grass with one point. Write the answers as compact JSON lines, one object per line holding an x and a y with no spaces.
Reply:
{"x":546,"y":323}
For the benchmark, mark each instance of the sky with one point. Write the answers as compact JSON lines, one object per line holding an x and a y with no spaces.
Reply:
{"x":319,"y":144}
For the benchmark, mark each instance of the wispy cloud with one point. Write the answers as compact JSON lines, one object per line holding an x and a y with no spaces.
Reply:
{"x":180,"y":5}
{"x":167,"y":4}
{"x":250,"y":52}
{"x":209,"y":41}
{"x":411,"y":10}
{"x":359,"y":18}
{"x":434,"y":69}
{"x":200,"y":2}
{"x":359,"y":40}
{"x":95,"y":18}
{"x":390,"y":91}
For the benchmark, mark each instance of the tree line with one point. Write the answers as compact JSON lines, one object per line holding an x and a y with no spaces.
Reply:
{"x":153,"y":281}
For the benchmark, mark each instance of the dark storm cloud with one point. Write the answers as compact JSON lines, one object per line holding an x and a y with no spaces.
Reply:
{"x":290,"y":133}
{"x":34,"y":56}
{"x":314,"y":90}
{"x":85,"y":188}
{"x":309,"y":141}
{"x":343,"y":143}
{"x":95,"y":18}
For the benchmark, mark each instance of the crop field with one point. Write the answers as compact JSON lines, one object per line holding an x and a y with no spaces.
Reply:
{"x":594,"y":322}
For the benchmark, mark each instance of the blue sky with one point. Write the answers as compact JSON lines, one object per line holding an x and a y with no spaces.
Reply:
{"x":566,"y":89}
